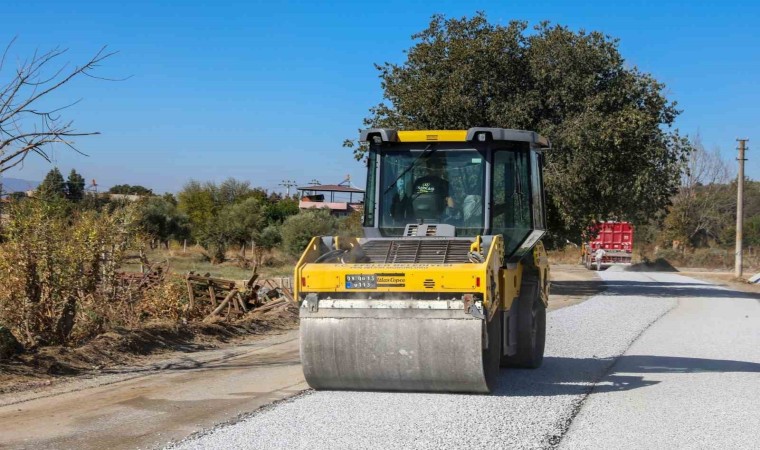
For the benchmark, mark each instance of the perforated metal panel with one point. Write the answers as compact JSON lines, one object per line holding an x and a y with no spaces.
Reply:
{"x":429,"y":229}
{"x":429,"y":251}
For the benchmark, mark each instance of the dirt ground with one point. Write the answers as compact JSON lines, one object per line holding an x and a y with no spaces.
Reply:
{"x":572,"y":284}
{"x":122,"y":348}
{"x":150,"y":405}
{"x":146,"y":388}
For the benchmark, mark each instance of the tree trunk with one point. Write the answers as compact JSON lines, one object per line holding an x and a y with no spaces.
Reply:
{"x":32,"y":294}
{"x":66,"y":320}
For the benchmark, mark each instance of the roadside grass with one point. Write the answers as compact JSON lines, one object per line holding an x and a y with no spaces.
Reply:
{"x":194,"y":259}
{"x":277,"y":264}
{"x":704,"y":258}
{"x":568,"y":255}
{"x":712,"y":258}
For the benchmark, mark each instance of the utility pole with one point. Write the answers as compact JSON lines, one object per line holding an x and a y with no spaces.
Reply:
{"x":288,"y":184}
{"x":740,"y":207}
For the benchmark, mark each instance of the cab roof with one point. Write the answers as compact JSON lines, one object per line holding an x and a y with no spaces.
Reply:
{"x":473,"y":134}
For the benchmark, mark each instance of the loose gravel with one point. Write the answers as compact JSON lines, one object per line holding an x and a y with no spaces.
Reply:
{"x":691,"y":381}
{"x":530,"y":409}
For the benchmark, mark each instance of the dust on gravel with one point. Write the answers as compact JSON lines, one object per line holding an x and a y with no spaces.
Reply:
{"x":120,"y":347}
{"x":582,"y":343}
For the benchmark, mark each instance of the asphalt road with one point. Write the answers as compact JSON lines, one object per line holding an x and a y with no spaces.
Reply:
{"x":656,"y":361}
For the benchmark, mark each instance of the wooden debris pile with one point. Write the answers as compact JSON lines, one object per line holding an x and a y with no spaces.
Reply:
{"x":232,"y":298}
{"x":151,"y":274}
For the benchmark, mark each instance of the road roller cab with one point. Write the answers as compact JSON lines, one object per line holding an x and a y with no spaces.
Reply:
{"x":449,"y":281}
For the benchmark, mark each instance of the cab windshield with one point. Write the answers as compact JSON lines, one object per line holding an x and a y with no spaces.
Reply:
{"x":427,"y":184}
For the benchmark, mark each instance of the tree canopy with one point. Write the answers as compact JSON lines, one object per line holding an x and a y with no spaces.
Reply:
{"x":614,"y":155}
{"x":53,"y":186}
{"x":127,"y":189}
{"x":75,"y":186}
{"x":161,"y":220}
{"x":299,"y":229}
{"x":233,"y":213}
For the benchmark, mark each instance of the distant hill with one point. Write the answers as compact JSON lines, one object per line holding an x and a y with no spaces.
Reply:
{"x":17,"y":184}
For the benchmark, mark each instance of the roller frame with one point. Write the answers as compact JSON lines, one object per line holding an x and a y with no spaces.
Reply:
{"x":395,"y":345}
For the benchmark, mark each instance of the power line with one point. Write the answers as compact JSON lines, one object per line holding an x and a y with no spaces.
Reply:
{"x":287,"y":184}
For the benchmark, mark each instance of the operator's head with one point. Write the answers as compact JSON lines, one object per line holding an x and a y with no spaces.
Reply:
{"x":436,"y":164}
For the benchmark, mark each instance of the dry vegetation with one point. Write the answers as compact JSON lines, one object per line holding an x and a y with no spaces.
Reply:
{"x":72,"y":293}
{"x":61,"y":277}
{"x":195,"y":259}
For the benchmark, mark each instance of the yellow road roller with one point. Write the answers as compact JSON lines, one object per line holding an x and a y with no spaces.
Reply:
{"x":450,"y":281}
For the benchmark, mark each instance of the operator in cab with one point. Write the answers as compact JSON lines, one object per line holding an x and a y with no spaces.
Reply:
{"x":430,"y":193}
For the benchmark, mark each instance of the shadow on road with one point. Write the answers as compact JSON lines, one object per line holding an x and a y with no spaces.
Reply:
{"x":586,"y":288}
{"x":656,"y":289}
{"x":577,"y":376}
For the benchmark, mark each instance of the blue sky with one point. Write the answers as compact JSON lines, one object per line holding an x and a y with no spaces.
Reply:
{"x":266,"y":91}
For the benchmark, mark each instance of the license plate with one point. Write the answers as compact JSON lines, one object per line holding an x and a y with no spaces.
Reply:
{"x":361,"y":281}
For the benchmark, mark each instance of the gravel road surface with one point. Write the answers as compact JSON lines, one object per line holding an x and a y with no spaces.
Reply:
{"x":180,"y":394}
{"x":699,"y":364}
{"x":688,"y":377}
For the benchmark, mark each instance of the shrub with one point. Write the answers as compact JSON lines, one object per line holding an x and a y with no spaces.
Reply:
{"x":351,"y":225}
{"x":60,"y":279}
{"x":269,"y":238}
{"x":298,"y":230}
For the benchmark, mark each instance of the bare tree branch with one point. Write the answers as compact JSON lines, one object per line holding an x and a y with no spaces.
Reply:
{"x":5,"y":53}
{"x":699,"y":208}
{"x":25,"y":126}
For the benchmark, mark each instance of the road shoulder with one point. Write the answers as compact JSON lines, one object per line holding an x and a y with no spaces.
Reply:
{"x":175,"y":395}
{"x":572,"y":284}
{"x":696,"y":373}
{"x":154,"y":407}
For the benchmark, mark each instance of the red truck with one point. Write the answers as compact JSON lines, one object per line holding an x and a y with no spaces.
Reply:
{"x":611,"y":244}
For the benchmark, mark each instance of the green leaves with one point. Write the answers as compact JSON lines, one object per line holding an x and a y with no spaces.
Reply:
{"x":614,"y":154}
{"x":298,"y":230}
{"x":75,"y":186}
{"x":233,"y":213}
{"x":160,"y":219}
{"x":52,"y":187}
{"x":127,"y":189}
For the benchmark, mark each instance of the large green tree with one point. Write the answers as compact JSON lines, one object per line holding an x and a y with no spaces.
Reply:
{"x":279,"y":209}
{"x":243,"y":221}
{"x":299,"y":229}
{"x":53,"y":186}
{"x":160,"y":219}
{"x":75,"y":186}
{"x":231,"y":191}
{"x":614,"y":152}
{"x":199,"y":205}
{"x":127,"y":189}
